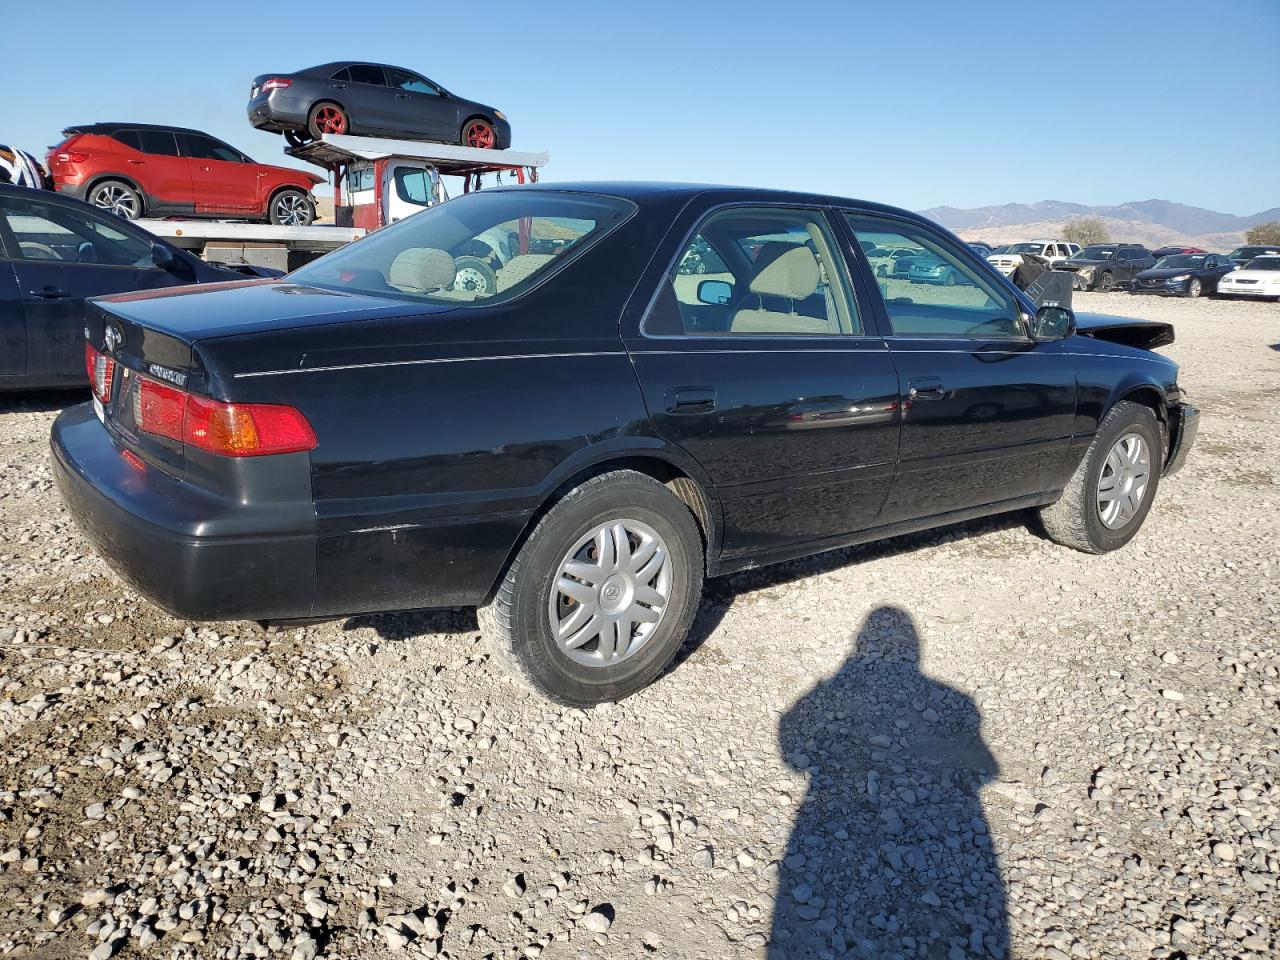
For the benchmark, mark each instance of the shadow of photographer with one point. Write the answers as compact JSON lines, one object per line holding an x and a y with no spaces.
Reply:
{"x":890,"y":855}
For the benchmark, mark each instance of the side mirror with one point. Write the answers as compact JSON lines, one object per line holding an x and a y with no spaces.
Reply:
{"x":164,"y":258}
{"x":1052,"y":323}
{"x":717,"y":293}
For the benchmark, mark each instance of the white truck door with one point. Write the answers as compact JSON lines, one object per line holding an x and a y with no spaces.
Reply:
{"x":409,"y":187}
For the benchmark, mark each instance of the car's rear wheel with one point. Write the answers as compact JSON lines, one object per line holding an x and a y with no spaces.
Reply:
{"x":1194,"y":288}
{"x":292,"y":208}
{"x":117,"y":197}
{"x":1111,"y":492}
{"x":326,"y":117}
{"x":480,"y":134}
{"x":295,"y":139}
{"x":601,"y":594}
{"x":1106,"y":283}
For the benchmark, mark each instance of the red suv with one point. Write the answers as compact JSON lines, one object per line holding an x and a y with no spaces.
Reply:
{"x":137,"y":169}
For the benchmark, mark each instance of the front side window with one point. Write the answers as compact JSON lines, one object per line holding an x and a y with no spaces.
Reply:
{"x":757,"y":272}
{"x":159,"y":142}
{"x":206,"y":148}
{"x":413,"y":185}
{"x":937,"y":292}
{"x":443,"y":254}
{"x":367,"y":73}
{"x":1097,"y":253}
{"x":50,"y":231}
{"x":407,"y":81}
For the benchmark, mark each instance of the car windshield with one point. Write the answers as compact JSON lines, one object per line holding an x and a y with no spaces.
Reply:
{"x":1264,"y":263}
{"x":1096,"y":253}
{"x":493,"y":244}
{"x":1024,"y":248}
{"x":1181,"y":260}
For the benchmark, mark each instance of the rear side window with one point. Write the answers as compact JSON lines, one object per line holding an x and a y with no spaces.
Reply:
{"x":129,"y":138}
{"x":159,"y":142}
{"x":939,"y":293}
{"x":757,"y":271}
{"x":343,"y":75}
{"x":367,"y":73}
{"x":486,"y":246}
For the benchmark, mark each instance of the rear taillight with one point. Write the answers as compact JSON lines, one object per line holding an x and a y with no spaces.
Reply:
{"x":71,"y":157}
{"x":100,"y":369}
{"x":226,"y":429}
{"x":277,"y":83}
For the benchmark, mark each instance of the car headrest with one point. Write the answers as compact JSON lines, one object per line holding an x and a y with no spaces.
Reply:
{"x":422,"y":270}
{"x":792,"y":273}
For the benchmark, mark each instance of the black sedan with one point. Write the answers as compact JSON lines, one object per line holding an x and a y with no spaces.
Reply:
{"x":1183,"y":275}
{"x":576,"y":448}
{"x":372,"y":99}
{"x":55,"y":251}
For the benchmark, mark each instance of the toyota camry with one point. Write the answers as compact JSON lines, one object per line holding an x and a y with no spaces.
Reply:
{"x":573,"y":448}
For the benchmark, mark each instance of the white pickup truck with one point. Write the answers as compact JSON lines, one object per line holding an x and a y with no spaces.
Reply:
{"x":1055,"y":251}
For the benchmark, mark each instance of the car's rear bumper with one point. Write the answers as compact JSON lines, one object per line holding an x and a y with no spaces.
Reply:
{"x":76,"y":190}
{"x":153,"y":529}
{"x":1185,"y":426}
{"x":276,"y":111}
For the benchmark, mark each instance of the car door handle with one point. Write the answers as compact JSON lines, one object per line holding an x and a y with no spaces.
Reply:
{"x":691,"y":400}
{"x":337,"y":86}
{"x":402,"y":96}
{"x":50,"y":293}
{"x":138,"y":162}
{"x":926,"y":388}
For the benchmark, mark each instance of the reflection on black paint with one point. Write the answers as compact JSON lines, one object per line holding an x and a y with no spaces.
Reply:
{"x":890,"y":854}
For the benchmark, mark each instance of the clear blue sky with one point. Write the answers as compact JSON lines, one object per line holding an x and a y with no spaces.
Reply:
{"x":910,"y":102}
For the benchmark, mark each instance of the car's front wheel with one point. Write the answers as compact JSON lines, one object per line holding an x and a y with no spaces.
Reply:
{"x":601,"y":594}
{"x":117,"y":197}
{"x":480,"y":134}
{"x":1106,"y":283}
{"x":292,"y":208}
{"x":1111,"y":492}
{"x":1194,"y":288}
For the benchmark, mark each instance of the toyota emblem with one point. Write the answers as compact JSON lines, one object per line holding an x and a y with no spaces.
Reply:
{"x":112,"y":338}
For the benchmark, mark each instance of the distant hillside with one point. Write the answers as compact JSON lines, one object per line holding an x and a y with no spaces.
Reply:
{"x":1144,"y":221}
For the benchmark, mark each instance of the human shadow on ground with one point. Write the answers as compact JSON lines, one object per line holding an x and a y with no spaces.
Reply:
{"x":890,"y":855}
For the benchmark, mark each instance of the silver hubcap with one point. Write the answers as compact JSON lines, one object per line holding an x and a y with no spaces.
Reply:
{"x":116,"y":199}
{"x":611,"y":593}
{"x":469,"y":278}
{"x":1123,"y":483}
{"x":292,"y":210}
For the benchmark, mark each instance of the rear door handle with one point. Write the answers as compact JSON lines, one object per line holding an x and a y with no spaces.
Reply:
{"x":926,"y":388}
{"x":402,"y":96}
{"x":138,"y":162}
{"x":691,"y":400}
{"x":50,"y":293}
{"x":337,"y":86}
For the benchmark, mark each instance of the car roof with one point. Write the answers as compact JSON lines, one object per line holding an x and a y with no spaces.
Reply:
{"x":642,"y":192}
{"x":327,"y":68}
{"x":112,"y":126}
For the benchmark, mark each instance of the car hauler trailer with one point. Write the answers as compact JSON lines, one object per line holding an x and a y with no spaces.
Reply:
{"x":375,"y":182}
{"x":378,"y":181}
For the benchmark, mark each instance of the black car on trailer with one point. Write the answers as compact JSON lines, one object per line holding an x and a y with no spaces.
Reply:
{"x":576,"y":449}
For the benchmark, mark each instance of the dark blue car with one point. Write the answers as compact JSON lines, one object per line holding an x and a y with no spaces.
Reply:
{"x":55,"y":252}
{"x":1184,"y":275}
{"x":575,"y":447}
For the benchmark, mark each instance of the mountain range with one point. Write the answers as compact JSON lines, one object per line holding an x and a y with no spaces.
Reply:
{"x":1153,"y":222}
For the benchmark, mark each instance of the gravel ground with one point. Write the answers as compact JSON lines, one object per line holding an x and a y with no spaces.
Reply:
{"x":965,"y":743}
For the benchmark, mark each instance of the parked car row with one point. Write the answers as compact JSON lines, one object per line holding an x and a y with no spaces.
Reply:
{"x":1170,"y":270}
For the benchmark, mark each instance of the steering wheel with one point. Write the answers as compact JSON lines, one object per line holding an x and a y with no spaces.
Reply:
{"x":37,"y":251}
{"x":86,"y":253}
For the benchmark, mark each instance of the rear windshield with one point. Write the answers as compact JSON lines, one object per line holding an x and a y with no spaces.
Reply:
{"x":479,"y":247}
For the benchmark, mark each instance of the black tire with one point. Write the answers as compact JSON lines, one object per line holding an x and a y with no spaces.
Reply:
{"x":1194,"y":287}
{"x":296,"y":138}
{"x":1106,"y":282}
{"x":1075,"y":521}
{"x":118,"y":197}
{"x":475,"y":275}
{"x":292,"y":208}
{"x":516,"y":623}
{"x":319,"y":112}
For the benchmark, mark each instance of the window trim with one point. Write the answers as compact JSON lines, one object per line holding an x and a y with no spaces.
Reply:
{"x":1024,"y":311}
{"x":823,"y":210}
